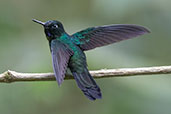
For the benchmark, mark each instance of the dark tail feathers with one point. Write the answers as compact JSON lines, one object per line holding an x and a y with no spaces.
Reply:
{"x":87,"y":84}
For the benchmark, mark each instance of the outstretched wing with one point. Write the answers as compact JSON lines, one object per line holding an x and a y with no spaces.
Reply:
{"x":103,"y":35}
{"x":60,"y":57}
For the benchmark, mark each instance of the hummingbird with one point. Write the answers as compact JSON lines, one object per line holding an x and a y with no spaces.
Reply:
{"x":67,"y":51}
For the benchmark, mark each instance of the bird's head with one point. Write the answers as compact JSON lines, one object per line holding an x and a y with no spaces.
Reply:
{"x":53,"y":28}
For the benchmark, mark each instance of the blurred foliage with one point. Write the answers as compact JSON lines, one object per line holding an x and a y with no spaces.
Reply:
{"x":24,"y":48}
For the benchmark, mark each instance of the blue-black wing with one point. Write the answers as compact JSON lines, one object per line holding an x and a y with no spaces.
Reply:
{"x":103,"y":35}
{"x":60,"y":58}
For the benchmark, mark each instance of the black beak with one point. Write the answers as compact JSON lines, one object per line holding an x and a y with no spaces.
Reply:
{"x":37,"y":21}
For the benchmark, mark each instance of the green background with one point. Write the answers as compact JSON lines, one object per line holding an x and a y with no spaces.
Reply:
{"x":24,"y":48}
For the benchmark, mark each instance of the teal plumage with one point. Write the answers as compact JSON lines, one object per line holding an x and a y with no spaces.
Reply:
{"x":68,"y":50}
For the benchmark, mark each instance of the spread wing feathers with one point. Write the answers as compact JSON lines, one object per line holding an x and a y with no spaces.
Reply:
{"x":60,"y":57}
{"x":103,"y":35}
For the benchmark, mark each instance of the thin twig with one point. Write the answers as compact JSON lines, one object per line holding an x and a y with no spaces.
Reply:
{"x":13,"y":76}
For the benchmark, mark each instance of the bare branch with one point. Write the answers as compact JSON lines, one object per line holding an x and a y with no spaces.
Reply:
{"x":12,"y":76}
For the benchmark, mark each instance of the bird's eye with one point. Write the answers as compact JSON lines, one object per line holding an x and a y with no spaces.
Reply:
{"x":56,"y":26}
